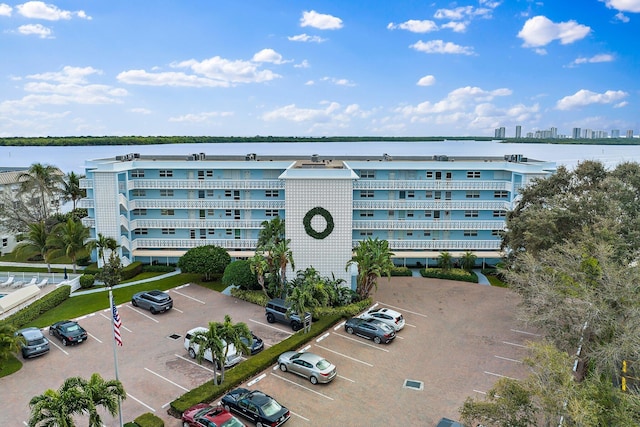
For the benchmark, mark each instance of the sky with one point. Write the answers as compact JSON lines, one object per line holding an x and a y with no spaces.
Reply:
{"x":318,"y":68}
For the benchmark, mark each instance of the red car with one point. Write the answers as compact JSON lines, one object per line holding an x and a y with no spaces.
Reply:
{"x":203,"y":415}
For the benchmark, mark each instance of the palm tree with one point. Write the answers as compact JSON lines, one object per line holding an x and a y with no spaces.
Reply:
{"x":69,"y":239}
{"x":56,"y":408}
{"x":71,"y":191}
{"x":210,"y":340}
{"x":232,"y":333}
{"x":9,"y":343}
{"x":35,"y":243}
{"x":282,"y":256}
{"x":43,"y":181}
{"x":445,"y":261}
{"x":103,"y":243}
{"x":302,"y":301}
{"x":373,"y":259}
{"x":260,"y":267}
{"x":272,"y":232}
{"x":468,"y":261}
{"x":101,"y":393}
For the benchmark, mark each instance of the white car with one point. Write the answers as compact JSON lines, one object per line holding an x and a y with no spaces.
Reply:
{"x":233,"y":355}
{"x":386,"y":315}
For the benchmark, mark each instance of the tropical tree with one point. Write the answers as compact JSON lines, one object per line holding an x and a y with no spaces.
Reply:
{"x":468,"y":261}
{"x":445,"y":261}
{"x":71,"y":191}
{"x":104,"y":243}
{"x":239,"y":274}
{"x":282,"y":256}
{"x":35,"y":243}
{"x":111,"y":272}
{"x":373,"y":259}
{"x":9,"y":343}
{"x":209,"y":340}
{"x":69,"y":239}
{"x":232,"y":333}
{"x":260,"y":267}
{"x":272,"y":232}
{"x":44,"y":181}
{"x":102,"y":393}
{"x":308,"y":290}
{"x":209,"y":260}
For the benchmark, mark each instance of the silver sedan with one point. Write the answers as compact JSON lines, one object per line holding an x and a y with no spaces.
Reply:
{"x":309,"y":365}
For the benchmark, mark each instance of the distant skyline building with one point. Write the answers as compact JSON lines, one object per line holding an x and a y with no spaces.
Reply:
{"x":554,"y":132}
{"x":500,"y":132}
{"x":518,"y":131}
{"x":576,"y":134}
{"x":630,"y":133}
{"x":615,"y":133}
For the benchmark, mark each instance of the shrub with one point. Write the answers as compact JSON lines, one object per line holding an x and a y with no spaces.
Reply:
{"x":39,"y":306}
{"x":239,"y":273}
{"x":255,"y":297}
{"x":209,"y":261}
{"x":87,"y":281}
{"x":149,"y":420}
{"x":83,"y":261}
{"x":454,"y":274}
{"x":131,"y":270}
{"x":158,"y":268}
{"x":401,"y":271}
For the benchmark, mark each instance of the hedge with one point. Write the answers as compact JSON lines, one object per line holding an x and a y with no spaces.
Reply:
{"x":39,"y":306}
{"x":454,"y":274}
{"x":148,"y":420}
{"x":401,"y":271}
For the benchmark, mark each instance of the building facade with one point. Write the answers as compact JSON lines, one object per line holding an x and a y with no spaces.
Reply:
{"x":158,"y":207}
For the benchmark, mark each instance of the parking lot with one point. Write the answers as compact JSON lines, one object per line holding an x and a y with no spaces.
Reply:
{"x":458,"y":340}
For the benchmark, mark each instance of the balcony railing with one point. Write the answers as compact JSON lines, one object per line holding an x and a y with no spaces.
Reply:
{"x":207,"y":184}
{"x":366,"y":184}
{"x":86,"y":203}
{"x":441,"y":245}
{"x":170,"y":203}
{"x":413,"y":205}
{"x":86,"y":183}
{"x":427,"y":225}
{"x":88,"y":222}
{"x":197,"y":223}
{"x":143,"y":243}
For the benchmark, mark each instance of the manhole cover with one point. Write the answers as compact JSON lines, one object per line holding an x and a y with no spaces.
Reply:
{"x":416,"y":385}
{"x":174,"y":336}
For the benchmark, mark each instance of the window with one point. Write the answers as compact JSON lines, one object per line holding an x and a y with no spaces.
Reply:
{"x":438,"y":175}
{"x":473,"y":195}
{"x":428,"y":214}
{"x":271,"y":212}
{"x":167,"y":212}
{"x":409,"y":214}
{"x":429,"y":174}
{"x":228,"y":212}
{"x":470,"y":233}
{"x":402,"y":194}
{"x":138,"y":193}
{"x":192,"y":234}
{"x":366,"y":194}
{"x":447,"y":195}
{"x":471,"y":214}
{"x":409,"y":233}
{"x":210,"y":212}
{"x":448,"y":175}
{"x":367,"y":233}
{"x":202,"y":214}
{"x":203,"y":233}
{"x":165,"y":173}
{"x":166,"y":193}
{"x":227,"y":193}
{"x":499,"y":214}
{"x":426,"y":233}
{"x":140,"y":232}
{"x":202,"y":174}
{"x":139,"y":212}
{"x":201,"y":194}
{"x":436,"y":214}
{"x":5,"y":242}
{"x":438,"y":195}
{"x":272,"y":193}
{"x":428,"y":194}
{"x":211,"y":231}
{"x":473,"y":174}
{"x":137,"y":173}
{"x":501,"y":194}
{"x":168,"y":231}
{"x":368,"y":174}
{"x":236,"y":194}
{"x":228,"y":232}
{"x":366,"y":214}
{"x":411,"y":194}
{"x":236,"y":214}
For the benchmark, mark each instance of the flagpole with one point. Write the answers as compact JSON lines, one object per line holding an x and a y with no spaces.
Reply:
{"x":115,"y":353}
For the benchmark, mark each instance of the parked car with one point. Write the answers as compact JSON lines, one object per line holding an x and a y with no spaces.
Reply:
{"x":233,"y":355}
{"x":371,"y":329}
{"x":258,"y":407}
{"x":277,"y":311}
{"x":386,"y":315}
{"x":446,"y":422}
{"x":315,"y":368}
{"x":203,"y":415}
{"x":69,"y":332}
{"x":33,"y":342}
{"x":255,"y":346}
{"x":154,"y":301}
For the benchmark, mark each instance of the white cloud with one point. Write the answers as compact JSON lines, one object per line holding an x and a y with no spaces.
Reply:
{"x":603,"y":57}
{"x":306,"y":38}
{"x":439,"y":46}
{"x":303,"y":64}
{"x":457,"y":27}
{"x":540,"y":31}
{"x":174,"y":79}
{"x":68,"y":75}
{"x":5,"y":9}
{"x":463,"y":12}
{"x":140,"y":110}
{"x":200,"y":117}
{"x":457,"y":100}
{"x":585,"y":97}
{"x":228,"y":71}
{"x":426,"y":81}
{"x":621,"y":104}
{"x":268,"y":55}
{"x":415,"y":26}
{"x":49,"y":12}
{"x":294,"y":114}
{"x":36,"y":29}
{"x":623,"y":5}
{"x":320,"y":21}
{"x":337,"y":82}
{"x":622,"y":17}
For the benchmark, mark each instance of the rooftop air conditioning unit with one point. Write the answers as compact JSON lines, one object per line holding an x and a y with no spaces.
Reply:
{"x":315,"y":158}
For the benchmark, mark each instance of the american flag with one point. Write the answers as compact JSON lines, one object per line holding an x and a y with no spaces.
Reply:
{"x":116,"y":323}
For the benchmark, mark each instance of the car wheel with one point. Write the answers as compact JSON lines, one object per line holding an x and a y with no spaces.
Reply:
{"x":283,"y":367}
{"x":50,"y":331}
{"x":227,"y":408}
{"x":134,"y":303}
{"x":153,"y":310}
{"x":295,"y":326}
{"x":64,"y":342}
{"x":192,"y":353}
{"x":349,"y":330}
{"x":270,"y":318}
{"x":259,"y":424}
{"x":377,"y":340}
{"x":313,"y":380}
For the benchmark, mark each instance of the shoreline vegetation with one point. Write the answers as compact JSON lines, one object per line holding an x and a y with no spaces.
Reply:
{"x":155,"y":140}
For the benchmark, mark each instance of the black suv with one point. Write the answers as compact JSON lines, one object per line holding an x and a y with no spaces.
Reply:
{"x":154,"y":301}
{"x":276,"y":311}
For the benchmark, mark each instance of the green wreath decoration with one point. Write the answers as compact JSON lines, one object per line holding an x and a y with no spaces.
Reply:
{"x":308,"y":228}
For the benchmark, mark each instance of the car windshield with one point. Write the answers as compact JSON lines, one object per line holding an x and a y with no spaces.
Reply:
{"x":271,"y":408}
{"x":233,"y":422}
{"x":37,"y":341}
{"x":72,"y":328}
{"x":385,"y":327}
{"x":323,"y":364}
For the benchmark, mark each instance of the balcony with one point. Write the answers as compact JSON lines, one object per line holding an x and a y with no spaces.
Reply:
{"x":172,"y":203}
{"x":427,"y":225}
{"x":197,"y":223}
{"x":441,"y":245}
{"x":448,"y":205}
{"x":86,"y":203}
{"x":86,"y":183}
{"x":164,"y":243}
{"x":365,"y":184}
{"x":207,"y":184}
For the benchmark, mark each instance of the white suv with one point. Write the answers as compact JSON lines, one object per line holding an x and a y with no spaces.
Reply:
{"x":233,"y":356}
{"x":386,"y":315}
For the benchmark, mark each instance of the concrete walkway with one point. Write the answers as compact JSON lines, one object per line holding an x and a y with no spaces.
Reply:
{"x":482,"y":279}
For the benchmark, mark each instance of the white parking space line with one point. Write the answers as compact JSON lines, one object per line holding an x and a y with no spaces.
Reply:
{"x":339,"y":325}
{"x":301,"y":386}
{"x":345,"y":378}
{"x":481,"y":392}
{"x":255,"y":380}
{"x":188,"y":296}
{"x":299,"y":416}
{"x":193,"y":362}
{"x":273,"y":327}
{"x":166,"y":379}
{"x":398,"y":337}
{"x":404,"y":310}
{"x":525,"y":332}
{"x":58,"y":347}
{"x":141,"y":313}
{"x":498,"y":375}
{"x":508,"y":359}
{"x":409,"y":324}
{"x":514,"y":344}
{"x":94,"y":337}
{"x":344,"y":355}
{"x":177,"y":309}
{"x":377,"y":347}
{"x":111,"y":320}
{"x":141,"y":402}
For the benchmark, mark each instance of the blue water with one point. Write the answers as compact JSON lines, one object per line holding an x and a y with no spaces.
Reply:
{"x":72,"y":159}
